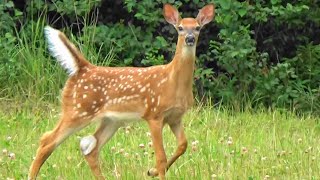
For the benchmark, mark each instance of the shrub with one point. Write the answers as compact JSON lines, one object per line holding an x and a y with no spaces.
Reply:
{"x":261,"y":52}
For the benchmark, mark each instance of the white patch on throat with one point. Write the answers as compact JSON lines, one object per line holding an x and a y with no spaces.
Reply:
{"x":189,"y":51}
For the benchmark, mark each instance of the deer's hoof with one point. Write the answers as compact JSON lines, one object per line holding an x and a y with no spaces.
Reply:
{"x":153,"y":172}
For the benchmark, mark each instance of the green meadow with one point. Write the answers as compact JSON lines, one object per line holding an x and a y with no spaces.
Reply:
{"x":223,"y":144}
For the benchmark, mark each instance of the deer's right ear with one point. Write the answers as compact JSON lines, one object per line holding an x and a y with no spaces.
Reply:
{"x":171,"y":14}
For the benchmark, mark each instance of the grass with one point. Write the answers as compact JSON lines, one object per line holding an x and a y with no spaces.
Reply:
{"x":29,"y":72}
{"x":223,"y":144}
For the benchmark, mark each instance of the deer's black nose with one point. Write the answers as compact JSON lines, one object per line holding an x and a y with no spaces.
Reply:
{"x":190,"y":40}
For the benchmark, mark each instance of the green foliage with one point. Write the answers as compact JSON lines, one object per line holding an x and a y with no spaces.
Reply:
{"x":261,"y":52}
{"x":129,"y":43}
{"x":247,"y":73}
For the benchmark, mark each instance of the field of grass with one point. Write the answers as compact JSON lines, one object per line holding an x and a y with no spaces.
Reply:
{"x":223,"y":144}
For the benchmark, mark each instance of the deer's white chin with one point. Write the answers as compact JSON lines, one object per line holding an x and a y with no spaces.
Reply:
{"x":190,"y":44}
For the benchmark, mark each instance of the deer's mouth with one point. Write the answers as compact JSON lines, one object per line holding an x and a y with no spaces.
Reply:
{"x":190,"y":43}
{"x":190,"y":40}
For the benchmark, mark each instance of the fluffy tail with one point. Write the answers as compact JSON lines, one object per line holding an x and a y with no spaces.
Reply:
{"x":64,"y":51}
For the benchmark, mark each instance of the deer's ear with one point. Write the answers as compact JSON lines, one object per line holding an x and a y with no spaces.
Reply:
{"x":171,"y":14}
{"x":206,"y":14}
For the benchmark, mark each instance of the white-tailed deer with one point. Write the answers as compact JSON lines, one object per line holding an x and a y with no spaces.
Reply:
{"x":115,"y":96}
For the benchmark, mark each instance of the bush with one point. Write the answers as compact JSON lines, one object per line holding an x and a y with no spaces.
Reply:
{"x":261,"y":52}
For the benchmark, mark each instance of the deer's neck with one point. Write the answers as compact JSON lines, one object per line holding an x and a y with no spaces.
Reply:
{"x":183,"y":66}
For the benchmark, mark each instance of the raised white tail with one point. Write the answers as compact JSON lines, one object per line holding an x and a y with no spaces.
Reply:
{"x":64,"y":51}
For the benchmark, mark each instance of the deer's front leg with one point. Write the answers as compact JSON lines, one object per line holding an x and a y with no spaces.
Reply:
{"x":156,"y":127}
{"x":178,"y":131}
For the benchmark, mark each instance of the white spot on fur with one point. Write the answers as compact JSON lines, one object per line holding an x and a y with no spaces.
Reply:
{"x":143,"y":89}
{"x":83,"y":114}
{"x":158,"y":103}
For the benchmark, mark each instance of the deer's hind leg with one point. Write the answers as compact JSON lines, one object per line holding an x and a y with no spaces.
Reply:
{"x":91,"y":145}
{"x":52,"y":139}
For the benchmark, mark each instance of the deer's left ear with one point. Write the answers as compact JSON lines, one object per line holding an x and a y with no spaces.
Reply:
{"x":205,"y":14}
{"x":171,"y":14}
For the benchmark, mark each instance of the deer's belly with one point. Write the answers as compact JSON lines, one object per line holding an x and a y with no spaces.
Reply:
{"x":123,"y":117}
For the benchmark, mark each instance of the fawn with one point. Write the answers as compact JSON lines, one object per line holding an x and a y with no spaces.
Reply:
{"x":114,"y":96}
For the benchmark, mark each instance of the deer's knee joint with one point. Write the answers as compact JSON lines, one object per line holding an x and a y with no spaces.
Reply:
{"x":183,"y":146}
{"x":87,"y":144}
{"x":45,"y":138}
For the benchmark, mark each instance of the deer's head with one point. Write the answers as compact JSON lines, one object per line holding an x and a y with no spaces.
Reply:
{"x":188,"y":28}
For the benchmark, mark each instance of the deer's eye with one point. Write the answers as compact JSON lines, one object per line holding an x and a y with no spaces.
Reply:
{"x":198,"y":28}
{"x":180,"y":28}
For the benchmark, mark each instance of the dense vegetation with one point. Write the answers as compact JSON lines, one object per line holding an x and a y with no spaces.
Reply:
{"x":254,"y":53}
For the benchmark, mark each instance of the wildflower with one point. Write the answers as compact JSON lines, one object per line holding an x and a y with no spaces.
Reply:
{"x":150,"y":144}
{"x":5,"y":152}
{"x":113,"y":148}
{"x":213,"y":176}
{"x":255,"y":151}
{"x":266,"y":177}
{"x":121,"y":150}
{"x":299,"y":140}
{"x":148,"y":134}
{"x":141,"y":146}
{"x":9,"y":138}
{"x":244,"y":150}
{"x":263,"y":158}
{"x":126,"y":154}
{"x":128,"y":128}
{"x":54,"y":165}
{"x":12,"y":155}
{"x":229,"y":142}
